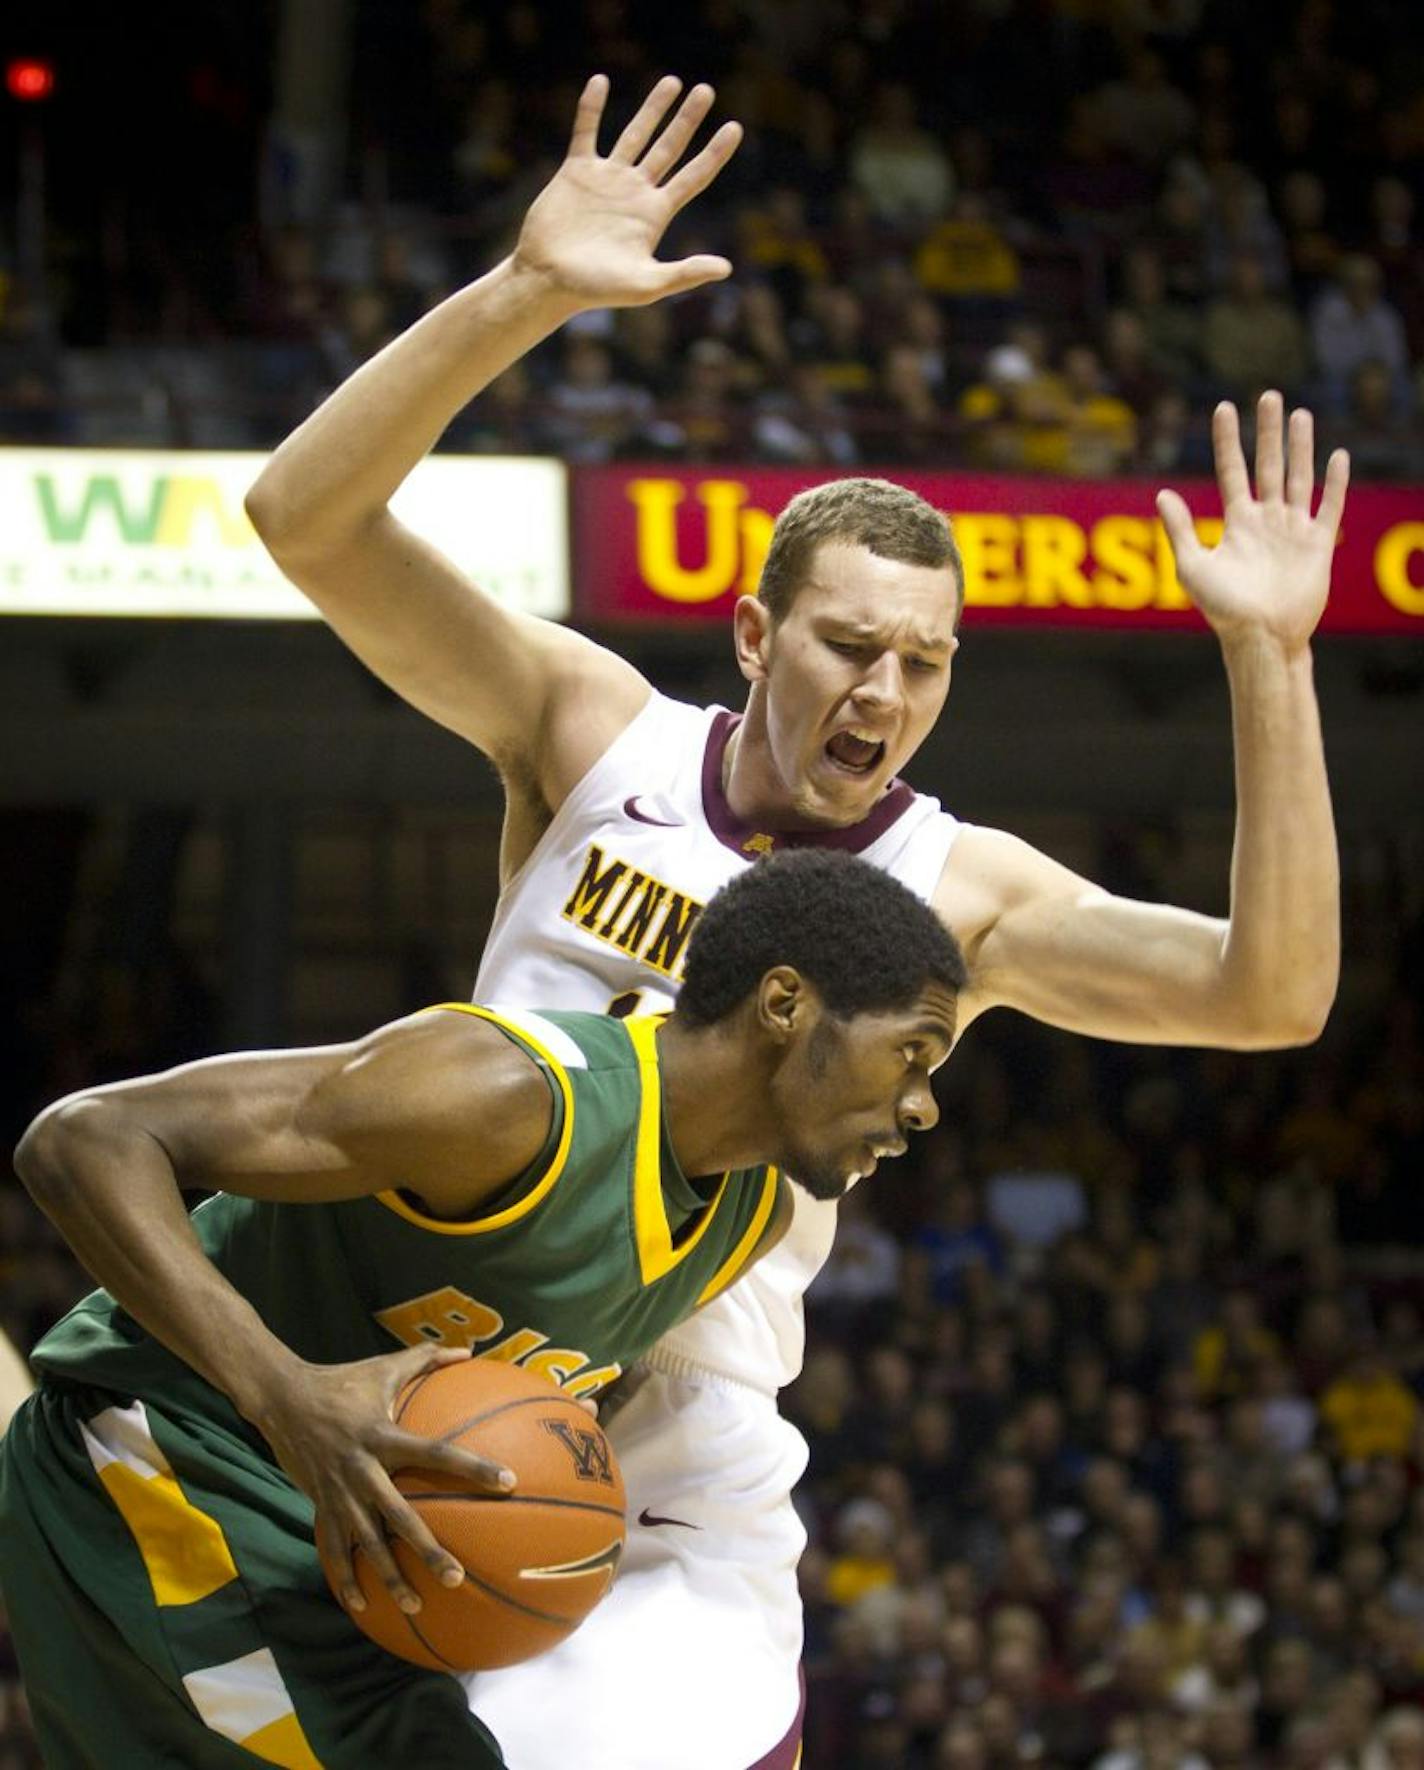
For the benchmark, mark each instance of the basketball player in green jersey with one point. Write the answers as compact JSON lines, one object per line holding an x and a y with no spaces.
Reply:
{"x":566,"y":1185}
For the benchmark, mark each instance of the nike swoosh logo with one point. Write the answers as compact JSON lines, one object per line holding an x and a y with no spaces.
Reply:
{"x":652,"y":1518}
{"x":630,"y":809}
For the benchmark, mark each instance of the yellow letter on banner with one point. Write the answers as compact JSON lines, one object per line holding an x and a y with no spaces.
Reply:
{"x":1392,"y":556}
{"x":656,"y":501}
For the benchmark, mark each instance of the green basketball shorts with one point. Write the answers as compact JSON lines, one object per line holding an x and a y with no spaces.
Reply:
{"x":169,"y":1609}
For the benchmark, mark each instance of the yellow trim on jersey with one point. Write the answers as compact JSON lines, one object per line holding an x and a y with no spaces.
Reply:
{"x":656,"y":1254}
{"x":732,"y":1266}
{"x":521,"y":1207}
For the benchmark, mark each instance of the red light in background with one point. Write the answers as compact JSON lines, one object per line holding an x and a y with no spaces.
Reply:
{"x":29,"y":79}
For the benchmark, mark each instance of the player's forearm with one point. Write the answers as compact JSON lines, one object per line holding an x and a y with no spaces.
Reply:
{"x":340,"y":468}
{"x":109,"y":1188}
{"x":1281,"y":953}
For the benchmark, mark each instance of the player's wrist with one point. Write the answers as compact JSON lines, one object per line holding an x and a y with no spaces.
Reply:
{"x":537,"y":291}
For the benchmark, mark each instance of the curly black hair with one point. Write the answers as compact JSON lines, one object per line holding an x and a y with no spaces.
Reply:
{"x":865,"y":941}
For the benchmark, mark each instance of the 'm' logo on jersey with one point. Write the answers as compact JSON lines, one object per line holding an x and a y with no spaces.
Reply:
{"x":630,"y":909}
{"x":588,"y":1448}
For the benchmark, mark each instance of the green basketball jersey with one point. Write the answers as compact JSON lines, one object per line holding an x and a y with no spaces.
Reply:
{"x":574,"y":1271}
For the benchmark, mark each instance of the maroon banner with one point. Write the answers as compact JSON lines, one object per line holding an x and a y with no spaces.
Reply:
{"x":672,"y":545}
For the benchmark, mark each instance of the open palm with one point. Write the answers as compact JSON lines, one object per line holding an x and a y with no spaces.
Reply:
{"x":1271,"y":569}
{"x":592,"y":232}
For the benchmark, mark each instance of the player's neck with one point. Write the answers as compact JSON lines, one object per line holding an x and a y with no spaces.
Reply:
{"x":716,"y":1111}
{"x":755,"y":793}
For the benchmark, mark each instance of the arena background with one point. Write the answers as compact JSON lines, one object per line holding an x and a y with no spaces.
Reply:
{"x":1114,"y":1388}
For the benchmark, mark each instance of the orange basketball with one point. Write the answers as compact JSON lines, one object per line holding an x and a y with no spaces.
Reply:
{"x":537,"y":1560}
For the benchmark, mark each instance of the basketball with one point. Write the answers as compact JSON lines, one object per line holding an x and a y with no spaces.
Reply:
{"x":536,"y":1560}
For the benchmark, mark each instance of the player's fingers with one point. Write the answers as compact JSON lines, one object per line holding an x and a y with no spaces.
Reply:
{"x":1300,"y":459}
{"x":1332,"y":499}
{"x":1231,"y":477}
{"x":404,"y":1521}
{"x":646,"y":118}
{"x":1270,"y":452}
{"x":335,"y":1548}
{"x":1177,"y":520}
{"x":372,"y":1542}
{"x":668,"y":149}
{"x":699,"y":171}
{"x":588,"y":114}
{"x":403,"y":1450}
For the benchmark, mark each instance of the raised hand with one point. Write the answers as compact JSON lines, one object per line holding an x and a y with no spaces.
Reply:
{"x":1270,"y":572}
{"x":331,"y":1430}
{"x":592,"y":232}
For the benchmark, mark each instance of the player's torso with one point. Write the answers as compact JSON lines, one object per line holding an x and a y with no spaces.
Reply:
{"x":593,"y":1255}
{"x":600,"y":915}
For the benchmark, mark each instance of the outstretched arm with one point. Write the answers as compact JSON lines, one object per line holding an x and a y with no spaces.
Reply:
{"x":444,"y":1097}
{"x":542,"y":701}
{"x":1041,"y":939}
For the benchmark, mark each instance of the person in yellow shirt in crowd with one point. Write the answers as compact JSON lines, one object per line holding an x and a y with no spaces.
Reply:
{"x":1227,"y":1354}
{"x":1369,"y":1410}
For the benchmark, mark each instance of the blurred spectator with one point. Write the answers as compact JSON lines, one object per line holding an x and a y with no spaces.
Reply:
{"x":957,"y":1238}
{"x":1351,"y":323}
{"x":804,"y":422}
{"x":1383,"y":441}
{"x":1368,"y":1411}
{"x":968,"y":258}
{"x":1312,"y":248}
{"x":1172,"y":328}
{"x":900,"y":168}
{"x":1241,"y":226}
{"x":1252,"y":339}
{"x":593,"y":416}
{"x":1143,"y":113}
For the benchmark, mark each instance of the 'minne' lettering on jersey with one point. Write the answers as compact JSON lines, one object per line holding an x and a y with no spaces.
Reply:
{"x":619,"y":903}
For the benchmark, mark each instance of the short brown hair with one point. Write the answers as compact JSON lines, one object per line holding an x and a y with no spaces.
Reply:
{"x":891,"y":521}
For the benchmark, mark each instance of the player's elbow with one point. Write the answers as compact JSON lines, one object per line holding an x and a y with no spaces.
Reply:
{"x":47,"y":1156}
{"x":1280,"y":1022}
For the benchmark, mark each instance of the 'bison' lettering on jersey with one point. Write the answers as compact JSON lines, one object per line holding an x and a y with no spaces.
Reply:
{"x":630,"y":909}
{"x":447,"y":1317}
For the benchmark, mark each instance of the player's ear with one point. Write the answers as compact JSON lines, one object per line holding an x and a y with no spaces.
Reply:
{"x":751,"y":633}
{"x":783,"y":1000}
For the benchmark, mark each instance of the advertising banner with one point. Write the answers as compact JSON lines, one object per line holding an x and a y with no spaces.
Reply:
{"x":669,"y":545}
{"x":148,"y":532}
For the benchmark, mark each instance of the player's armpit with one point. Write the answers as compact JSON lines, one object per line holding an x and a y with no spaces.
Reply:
{"x":538,"y":698}
{"x":1042,"y":939}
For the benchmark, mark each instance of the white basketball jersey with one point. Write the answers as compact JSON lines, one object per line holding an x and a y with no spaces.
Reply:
{"x":599,"y":918}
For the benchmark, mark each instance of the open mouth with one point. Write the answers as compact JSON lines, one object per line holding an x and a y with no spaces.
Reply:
{"x":855,"y":752}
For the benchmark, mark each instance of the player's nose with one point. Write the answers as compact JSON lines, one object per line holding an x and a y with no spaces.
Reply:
{"x":883,"y":684}
{"x":919,"y":1110}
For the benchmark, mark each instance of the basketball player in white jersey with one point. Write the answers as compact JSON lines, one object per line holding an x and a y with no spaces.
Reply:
{"x":625,"y":810}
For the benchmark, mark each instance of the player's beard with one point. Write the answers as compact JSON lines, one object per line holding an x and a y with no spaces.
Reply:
{"x":822,"y":1182}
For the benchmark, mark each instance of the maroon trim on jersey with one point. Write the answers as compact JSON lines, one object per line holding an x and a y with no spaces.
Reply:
{"x":787,"y":1754}
{"x":729,"y":829}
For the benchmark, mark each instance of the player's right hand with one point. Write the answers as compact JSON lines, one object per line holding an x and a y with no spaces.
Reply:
{"x":590,"y":235}
{"x":331,"y":1430}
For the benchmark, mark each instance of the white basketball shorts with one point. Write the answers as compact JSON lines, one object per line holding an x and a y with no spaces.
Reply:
{"x":693,"y":1658}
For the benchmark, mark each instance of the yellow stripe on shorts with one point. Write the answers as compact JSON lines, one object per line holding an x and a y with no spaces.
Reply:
{"x":183,"y":1548}
{"x":247,"y":1701}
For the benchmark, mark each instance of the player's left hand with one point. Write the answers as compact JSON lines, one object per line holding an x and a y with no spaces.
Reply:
{"x":1270,"y":572}
{"x":591,"y":234}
